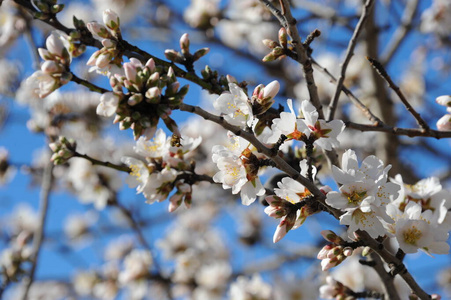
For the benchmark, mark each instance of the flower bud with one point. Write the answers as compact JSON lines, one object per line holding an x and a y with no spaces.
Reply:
{"x":199,"y":53}
{"x":111,"y":19}
{"x":54,"y":9}
{"x":444,"y":123}
{"x":98,"y":30}
{"x":130,"y":72}
{"x":283,"y":37}
{"x":50,"y":67}
{"x":103,"y":60}
{"x":347,"y":251}
{"x":330,"y":236}
{"x":184,"y":43}
{"x":135,"y":99}
{"x":270,"y":43}
{"x":444,"y":100}
{"x":174,"y":56}
{"x":55,"y":45}
{"x":150,"y":64}
{"x":271,"y":90}
{"x":152,"y":94}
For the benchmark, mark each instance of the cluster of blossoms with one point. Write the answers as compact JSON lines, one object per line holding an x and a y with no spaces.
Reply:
{"x":167,"y":167}
{"x":109,"y":35}
{"x":55,"y":70}
{"x":416,"y":216}
{"x":152,"y":91}
{"x":421,"y":217}
{"x":145,"y":103}
{"x":364,"y":194}
{"x":290,"y":203}
{"x":444,"y":123}
{"x":238,"y":169}
{"x":239,"y":165}
{"x":309,"y":129}
{"x":333,"y":254}
{"x":125,"y":267}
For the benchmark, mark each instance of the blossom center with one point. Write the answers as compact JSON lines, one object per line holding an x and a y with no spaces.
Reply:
{"x":355,"y":197}
{"x":412,"y":235}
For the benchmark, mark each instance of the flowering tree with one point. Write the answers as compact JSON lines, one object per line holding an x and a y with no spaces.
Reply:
{"x":317,"y":114}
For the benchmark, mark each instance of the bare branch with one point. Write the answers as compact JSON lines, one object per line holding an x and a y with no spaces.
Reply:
{"x":47,"y":181}
{"x":381,"y":71}
{"x":401,"y":32}
{"x":349,"y":53}
{"x":410,"y":132}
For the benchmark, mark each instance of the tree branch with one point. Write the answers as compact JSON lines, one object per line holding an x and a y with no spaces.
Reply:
{"x":47,"y":181}
{"x":349,"y":53}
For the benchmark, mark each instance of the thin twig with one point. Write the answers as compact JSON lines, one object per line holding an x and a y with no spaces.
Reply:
{"x":392,"y":260}
{"x":103,"y":163}
{"x":89,"y":85}
{"x":349,"y":53}
{"x":47,"y":181}
{"x":372,"y":117}
{"x":410,"y":132}
{"x":401,"y":32}
{"x":381,"y":71}
{"x":386,"y":279}
{"x":289,"y":22}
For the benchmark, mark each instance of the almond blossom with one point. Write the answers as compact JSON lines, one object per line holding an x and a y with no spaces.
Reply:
{"x":234,"y":106}
{"x":364,"y":194}
{"x":55,"y":69}
{"x":323,"y":134}
{"x":285,"y":205}
{"x":415,"y":230}
{"x":237,"y":169}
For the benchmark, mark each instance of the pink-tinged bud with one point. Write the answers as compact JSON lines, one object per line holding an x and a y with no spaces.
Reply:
{"x":55,"y":44}
{"x":153,"y":92}
{"x":283,"y":37}
{"x":111,"y":19}
{"x":325,"y":189}
{"x":436,"y":297}
{"x":130,"y":71}
{"x":330,"y":236}
{"x":135,"y":99}
{"x":444,"y":100}
{"x":173,"y":88}
{"x":257,"y":90}
{"x":335,"y":252}
{"x":54,"y":147}
{"x":173,"y":56}
{"x":50,"y":67}
{"x":347,"y":251}
{"x":271,"y":90}
{"x":150,"y":64}
{"x":280,"y":232}
{"x":45,"y":54}
{"x":444,"y":123}
{"x":322,"y":254}
{"x":98,"y":30}
{"x":136,"y":62}
{"x":103,"y":60}
{"x":108,"y":43}
{"x":326,"y":264}
{"x":274,"y":211}
{"x":92,"y":60}
{"x":270,"y":43}
{"x":184,"y":43}
{"x":199,"y":53}
{"x":231,"y":79}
